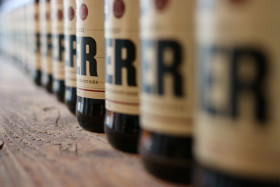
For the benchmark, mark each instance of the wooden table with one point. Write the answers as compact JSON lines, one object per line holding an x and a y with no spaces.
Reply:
{"x":41,"y":143}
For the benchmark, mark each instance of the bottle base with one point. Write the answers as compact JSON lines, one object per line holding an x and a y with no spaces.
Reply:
{"x":59,"y":97}
{"x":123,"y":142}
{"x":37,"y":77}
{"x":91,"y":114}
{"x":167,"y":169}
{"x":91,"y":123}
{"x":71,"y":106}
{"x":167,"y":157}
{"x":71,"y":99}
{"x":47,"y":82}
{"x":122,"y":131}
{"x":59,"y":90}
{"x":204,"y":177}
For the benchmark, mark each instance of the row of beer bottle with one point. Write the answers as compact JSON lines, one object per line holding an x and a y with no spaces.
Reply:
{"x":235,"y":67}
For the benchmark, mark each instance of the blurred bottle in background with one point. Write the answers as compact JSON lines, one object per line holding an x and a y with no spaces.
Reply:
{"x":122,"y":73}
{"x":167,"y":45}
{"x":29,"y":45}
{"x":25,"y":48}
{"x":32,"y":40}
{"x":46,"y":44}
{"x":36,"y":69}
{"x":90,"y":65}
{"x":238,"y":121}
{"x":70,"y":54}
{"x":58,"y":54}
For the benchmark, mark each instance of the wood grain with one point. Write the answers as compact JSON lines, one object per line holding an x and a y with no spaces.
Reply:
{"x":41,"y":143}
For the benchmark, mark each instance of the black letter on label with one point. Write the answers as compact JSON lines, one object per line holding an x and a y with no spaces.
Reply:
{"x":72,"y":50}
{"x":127,"y":63}
{"x":109,"y":43}
{"x":38,"y":43}
{"x":61,"y":47}
{"x":208,"y":80}
{"x":146,"y":86}
{"x":173,"y":68}
{"x":259,"y":61}
{"x":90,"y":42}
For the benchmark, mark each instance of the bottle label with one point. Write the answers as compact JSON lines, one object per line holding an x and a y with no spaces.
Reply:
{"x":58,"y":39}
{"x":37,"y":62}
{"x":238,"y":123}
{"x":167,"y":66}
{"x":70,"y":42}
{"x":45,"y":38}
{"x":122,"y":56}
{"x":90,"y":49}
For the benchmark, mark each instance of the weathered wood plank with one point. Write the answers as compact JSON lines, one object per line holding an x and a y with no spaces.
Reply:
{"x":45,"y":146}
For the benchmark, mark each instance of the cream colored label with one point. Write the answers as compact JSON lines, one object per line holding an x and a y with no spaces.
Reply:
{"x":70,"y":42}
{"x":90,"y":49}
{"x":45,"y":37}
{"x":58,"y":39}
{"x":238,"y":121}
{"x":167,"y":66}
{"x":122,"y":56}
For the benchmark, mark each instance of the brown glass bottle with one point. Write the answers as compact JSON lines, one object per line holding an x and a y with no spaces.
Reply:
{"x":58,"y":64}
{"x":90,"y":113}
{"x":167,"y":91}
{"x":90,"y":109}
{"x":238,"y":75}
{"x":165,"y":156}
{"x":206,"y":177}
{"x":122,"y":91}
{"x":46,"y":45}
{"x":70,"y":54}
{"x":59,"y":89}
{"x":71,"y":99}
{"x":48,"y":75}
{"x":122,"y":131}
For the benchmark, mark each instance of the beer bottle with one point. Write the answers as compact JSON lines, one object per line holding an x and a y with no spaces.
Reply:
{"x":58,"y":61}
{"x":36,"y":71}
{"x":46,"y":44}
{"x":24,"y":45}
{"x":29,"y":44}
{"x":70,"y":54}
{"x":90,"y":64}
{"x":167,"y":60}
{"x":122,"y":73}
{"x":238,"y":121}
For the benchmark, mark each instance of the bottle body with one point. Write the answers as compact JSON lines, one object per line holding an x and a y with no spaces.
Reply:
{"x":36,"y":64}
{"x":25,"y":52}
{"x":122,"y":73}
{"x":90,"y":109}
{"x":70,"y":54}
{"x":46,"y":44}
{"x":58,"y":54}
{"x":237,"y":131}
{"x":167,"y":91}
